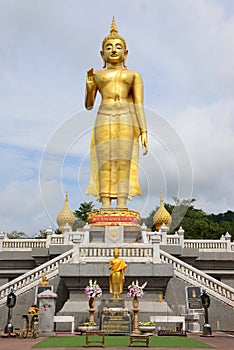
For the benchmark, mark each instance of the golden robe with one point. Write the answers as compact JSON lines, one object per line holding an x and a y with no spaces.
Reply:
{"x":114,"y":152}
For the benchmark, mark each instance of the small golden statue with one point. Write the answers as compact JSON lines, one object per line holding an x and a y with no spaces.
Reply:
{"x":33,"y":309}
{"x":120,"y":121}
{"x":117,"y":266}
{"x":44,"y":281}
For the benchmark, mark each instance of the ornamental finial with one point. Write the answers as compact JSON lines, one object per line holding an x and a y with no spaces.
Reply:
{"x":113,"y":28}
{"x":161,"y":199}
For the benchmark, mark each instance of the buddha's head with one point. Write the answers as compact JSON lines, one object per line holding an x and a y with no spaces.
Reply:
{"x":116,"y":252}
{"x":114,"y":42}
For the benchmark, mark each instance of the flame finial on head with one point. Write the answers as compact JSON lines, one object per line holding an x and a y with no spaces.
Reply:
{"x":113,"y":28}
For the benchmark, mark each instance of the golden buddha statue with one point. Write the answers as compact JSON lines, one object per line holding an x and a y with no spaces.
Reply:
{"x":120,"y":121}
{"x":117,"y":266}
{"x":44,"y":281}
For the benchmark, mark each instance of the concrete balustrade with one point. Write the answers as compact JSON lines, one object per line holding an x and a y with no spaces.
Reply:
{"x":70,"y":237}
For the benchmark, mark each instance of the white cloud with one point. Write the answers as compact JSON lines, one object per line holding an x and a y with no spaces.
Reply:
{"x":184,"y":51}
{"x":208,"y":134}
{"x":21,"y":208}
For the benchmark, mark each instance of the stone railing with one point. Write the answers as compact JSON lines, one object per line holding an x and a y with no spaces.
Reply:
{"x":30,"y":279}
{"x":28,"y":244}
{"x":165,"y":239}
{"x":70,"y":238}
{"x":22,"y":244}
{"x":174,"y":239}
{"x":57,"y":239}
{"x":190,"y":274}
{"x":206,"y":244}
{"x":103,"y":254}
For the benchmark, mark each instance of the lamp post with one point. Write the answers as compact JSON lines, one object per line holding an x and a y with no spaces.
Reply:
{"x":205,"y":299}
{"x":11,"y":301}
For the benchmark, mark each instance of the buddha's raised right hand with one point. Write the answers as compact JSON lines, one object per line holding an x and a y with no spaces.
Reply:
{"x":90,"y":74}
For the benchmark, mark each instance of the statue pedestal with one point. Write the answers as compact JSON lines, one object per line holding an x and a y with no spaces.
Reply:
{"x":114,"y":226}
{"x":114,"y":217}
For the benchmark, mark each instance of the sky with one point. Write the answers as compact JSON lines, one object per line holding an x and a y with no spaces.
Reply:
{"x":183,"y":50}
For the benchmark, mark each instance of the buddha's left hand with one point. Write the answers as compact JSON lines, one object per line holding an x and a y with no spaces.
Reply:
{"x":144,"y":142}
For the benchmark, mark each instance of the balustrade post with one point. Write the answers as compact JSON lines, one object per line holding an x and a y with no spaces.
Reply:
{"x":49,"y":233}
{"x":76,"y":250}
{"x":156,"y":254}
{"x":66,"y":234}
{"x":163,"y":231}
{"x":228,"y":240}
{"x":181,"y":236}
{"x":2,"y":237}
{"x":86,"y":239}
{"x":144,"y":233}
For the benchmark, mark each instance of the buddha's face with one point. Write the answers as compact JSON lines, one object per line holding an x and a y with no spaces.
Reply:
{"x":114,"y":51}
{"x":116,"y":253}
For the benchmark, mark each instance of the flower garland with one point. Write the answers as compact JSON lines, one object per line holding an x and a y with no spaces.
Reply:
{"x":135,"y":290}
{"x":93,"y":289}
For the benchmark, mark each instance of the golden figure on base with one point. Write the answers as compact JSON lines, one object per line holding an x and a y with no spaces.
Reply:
{"x":33,"y":309}
{"x":120,"y":121}
{"x":44,"y":281}
{"x":117,"y":266}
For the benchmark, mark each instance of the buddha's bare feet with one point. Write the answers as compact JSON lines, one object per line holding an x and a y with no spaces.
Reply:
{"x":121,"y":203}
{"x":106,"y":203}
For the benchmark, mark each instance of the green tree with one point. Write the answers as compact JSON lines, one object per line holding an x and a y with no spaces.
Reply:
{"x":16,"y":234}
{"x":196,"y":223}
{"x":225,"y":221}
{"x":149,"y":220}
{"x":82,"y":214}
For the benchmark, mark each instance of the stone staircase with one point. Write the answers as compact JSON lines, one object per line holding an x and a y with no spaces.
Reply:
{"x":31,"y":279}
{"x":182,"y":270}
{"x":221,"y":291}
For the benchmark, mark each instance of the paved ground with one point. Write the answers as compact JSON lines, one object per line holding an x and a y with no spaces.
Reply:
{"x":221,"y":341}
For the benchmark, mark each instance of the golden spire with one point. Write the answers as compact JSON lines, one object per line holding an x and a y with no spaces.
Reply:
{"x":162,"y":216}
{"x":161,"y":199}
{"x":65,"y":216}
{"x":113,"y":28}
